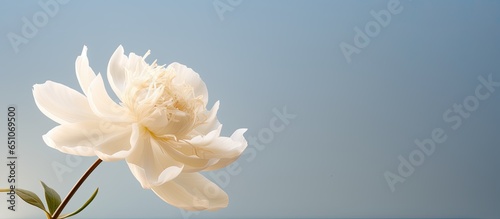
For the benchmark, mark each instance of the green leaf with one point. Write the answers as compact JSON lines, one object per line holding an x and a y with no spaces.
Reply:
{"x":31,"y":198}
{"x":83,"y":207}
{"x":53,"y":199}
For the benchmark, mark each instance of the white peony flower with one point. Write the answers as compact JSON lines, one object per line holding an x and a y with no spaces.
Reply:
{"x":161,"y":126}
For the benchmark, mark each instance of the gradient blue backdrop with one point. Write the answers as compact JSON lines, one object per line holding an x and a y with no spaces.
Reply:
{"x":353,"y":119}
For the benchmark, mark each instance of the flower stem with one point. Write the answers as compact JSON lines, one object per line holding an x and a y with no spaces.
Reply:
{"x":75,"y":188}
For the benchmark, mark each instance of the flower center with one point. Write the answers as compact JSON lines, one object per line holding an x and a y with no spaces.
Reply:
{"x":159,"y":100}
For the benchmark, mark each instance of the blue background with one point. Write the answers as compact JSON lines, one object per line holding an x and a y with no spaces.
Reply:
{"x":353,"y":119}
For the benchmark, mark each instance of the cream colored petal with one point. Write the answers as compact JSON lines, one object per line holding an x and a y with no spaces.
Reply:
{"x":149,"y":163}
{"x":192,"y":191}
{"x":136,"y":64}
{"x":179,"y":124}
{"x":221,"y":163}
{"x":194,"y":169}
{"x":84,"y":73}
{"x":102,"y":105}
{"x":185,"y":154}
{"x":211,"y":123}
{"x":117,"y":146}
{"x":189,"y":76}
{"x":117,"y":73}
{"x":209,"y":147}
{"x":237,"y":136}
{"x":186,"y":147}
{"x":140,"y":175}
{"x":80,"y":138}
{"x":109,"y":141}
{"x":62,"y":104}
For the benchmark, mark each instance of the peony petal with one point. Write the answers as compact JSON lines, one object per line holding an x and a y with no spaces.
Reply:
{"x":186,"y":146}
{"x":213,"y":146}
{"x":136,"y":64}
{"x":149,"y":163}
{"x":237,"y":136}
{"x":208,"y":152}
{"x":211,"y":123}
{"x":192,"y":191}
{"x":222,"y":150}
{"x":82,"y":137}
{"x":191,"y":163}
{"x":118,"y":146}
{"x":62,"y":104}
{"x":102,"y":105}
{"x":221,"y":163}
{"x":84,"y":73}
{"x":193,"y":169}
{"x":189,"y":76}
{"x":117,"y":74}
{"x":179,"y":124}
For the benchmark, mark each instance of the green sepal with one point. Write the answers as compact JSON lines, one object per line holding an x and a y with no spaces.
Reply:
{"x":53,"y":199}
{"x":31,"y":198}
{"x":83,"y":207}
